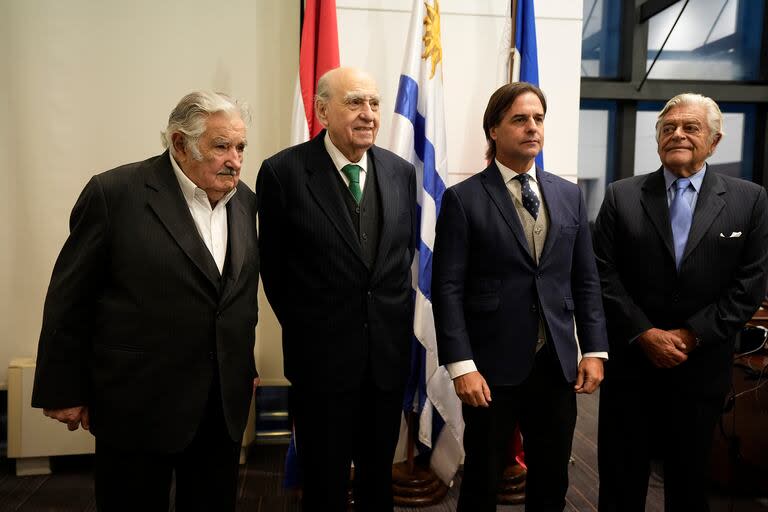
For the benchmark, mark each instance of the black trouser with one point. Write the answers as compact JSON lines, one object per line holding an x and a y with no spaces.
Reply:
{"x":641,"y":422}
{"x":545,"y":407}
{"x":206,"y":471}
{"x":336,"y":428}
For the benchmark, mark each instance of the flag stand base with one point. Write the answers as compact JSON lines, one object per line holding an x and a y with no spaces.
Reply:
{"x":416,"y":486}
{"x":512,"y":486}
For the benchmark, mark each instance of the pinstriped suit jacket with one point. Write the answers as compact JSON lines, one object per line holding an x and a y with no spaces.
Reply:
{"x":721,"y":282}
{"x":137,"y":319}
{"x":342,"y":320}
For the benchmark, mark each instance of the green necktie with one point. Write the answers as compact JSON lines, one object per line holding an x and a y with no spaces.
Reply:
{"x":352,"y":172}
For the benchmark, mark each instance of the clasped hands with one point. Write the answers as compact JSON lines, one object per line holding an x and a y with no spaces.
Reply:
{"x":667,"y":349}
{"x":472,"y":389}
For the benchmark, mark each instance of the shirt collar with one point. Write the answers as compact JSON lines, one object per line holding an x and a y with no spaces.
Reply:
{"x":188,"y":187}
{"x":508,"y":174}
{"x":339,"y":160}
{"x":696,"y":179}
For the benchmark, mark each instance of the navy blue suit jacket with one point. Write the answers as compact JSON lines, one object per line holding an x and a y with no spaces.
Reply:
{"x":488,"y":293}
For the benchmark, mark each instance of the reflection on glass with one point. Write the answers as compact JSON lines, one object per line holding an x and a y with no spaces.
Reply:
{"x":600,"y":38}
{"x":592,"y":170}
{"x":713,"y":40}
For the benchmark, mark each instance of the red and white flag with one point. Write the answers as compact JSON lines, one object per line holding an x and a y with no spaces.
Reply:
{"x":319,"y":54}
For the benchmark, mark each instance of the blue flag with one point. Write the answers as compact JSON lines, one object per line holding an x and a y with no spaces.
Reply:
{"x":418,"y":135}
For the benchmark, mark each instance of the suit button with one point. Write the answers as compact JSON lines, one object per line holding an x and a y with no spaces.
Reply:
{"x":539,"y":275}
{"x":364,"y":236}
{"x":370,"y":295}
{"x":218,"y":314}
{"x":537,"y":230}
{"x":212,"y":356}
{"x":357,"y":210}
{"x":534,"y":309}
{"x":365,"y":326}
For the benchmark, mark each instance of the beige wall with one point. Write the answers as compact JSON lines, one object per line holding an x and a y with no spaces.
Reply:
{"x":7,"y":204}
{"x":89,"y":85}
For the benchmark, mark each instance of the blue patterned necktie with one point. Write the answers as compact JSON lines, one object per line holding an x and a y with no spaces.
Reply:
{"x":352,"y":172}
{"x":530,"y":199}
{"x":680,"y":216}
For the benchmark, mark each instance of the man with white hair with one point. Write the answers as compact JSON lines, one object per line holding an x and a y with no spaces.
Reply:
{"x":337,"y":217}
{"x":148,"y":328}
{"x":682,"y":259}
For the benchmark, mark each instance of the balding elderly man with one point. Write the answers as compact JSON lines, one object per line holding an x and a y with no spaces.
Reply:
{"x":148,"y":328}
{"x":682,"y":259}
{"x":336,"y":218}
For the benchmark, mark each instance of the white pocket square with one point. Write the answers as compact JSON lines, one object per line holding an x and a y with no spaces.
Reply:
{"x":735,"y":234}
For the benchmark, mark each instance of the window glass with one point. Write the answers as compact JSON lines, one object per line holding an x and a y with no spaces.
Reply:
{"x":713,"y":40}
{"x":600,"y":38}
{"x":596,"y":121}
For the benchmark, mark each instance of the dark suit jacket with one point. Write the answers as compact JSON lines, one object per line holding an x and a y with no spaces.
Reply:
{"x":137,"y":320}
{"x":488,"y":292}
{"x":721,"y":282}
{"x":341,"y":320}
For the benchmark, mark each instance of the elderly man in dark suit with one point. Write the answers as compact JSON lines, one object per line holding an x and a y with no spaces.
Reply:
{"x":513,"y":269}
{"x":682,"y":256}
{"x":149,"y":322}
{"x":337,"y":232}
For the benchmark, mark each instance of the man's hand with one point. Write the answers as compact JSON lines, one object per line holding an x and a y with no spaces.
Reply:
{"x":472,"y":389}
{"x":590,"y":375}
{"x":687,"y":339}
{"x":72,"y":416}
{"x":661,"y":348}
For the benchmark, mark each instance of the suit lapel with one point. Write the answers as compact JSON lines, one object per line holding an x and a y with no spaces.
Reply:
{"x":237,"y":226}
{"x":494,"y":185}
{"x":167,"y":201}
{"x":654,"y":200}
{"x":390,"y":205}
{"x":322,"y":186}
{"x":708,"y":206}
{"x":552,"y":201}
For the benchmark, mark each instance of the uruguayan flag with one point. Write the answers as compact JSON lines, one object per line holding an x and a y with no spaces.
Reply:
{"x":418,"y":135}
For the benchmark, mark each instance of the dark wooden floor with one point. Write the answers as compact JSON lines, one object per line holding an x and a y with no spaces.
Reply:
{"x":70,"y":487}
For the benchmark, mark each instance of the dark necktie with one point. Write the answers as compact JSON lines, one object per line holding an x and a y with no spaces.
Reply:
{"x":352,"y":172}
{"x":530,"y":199}
{"x":680,"y":216}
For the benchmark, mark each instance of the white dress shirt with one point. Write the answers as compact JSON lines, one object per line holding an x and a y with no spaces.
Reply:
{"x":339,"y":161}
{"x":460,"y":368}
{"x":211,"y":223}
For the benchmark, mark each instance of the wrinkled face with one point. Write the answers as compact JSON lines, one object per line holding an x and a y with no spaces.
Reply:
{"x":519,"y":136}
{"x":352,"y":113}
{"x":221,"y":147}
{"x":685,"y":140}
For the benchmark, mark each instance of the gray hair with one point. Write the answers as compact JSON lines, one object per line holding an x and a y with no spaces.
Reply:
{"x":190,"y":115}
{"x":714,"y":116}
{"x":323,"y":93}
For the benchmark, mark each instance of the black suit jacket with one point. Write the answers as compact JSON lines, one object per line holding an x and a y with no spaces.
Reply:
{"x":341,"y":319}
{"x":137,"y":320}
{"x":488,"y":292}
{"x":721,"y":282}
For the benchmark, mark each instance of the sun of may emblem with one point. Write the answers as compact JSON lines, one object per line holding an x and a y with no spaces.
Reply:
{"x":432,"y":47}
